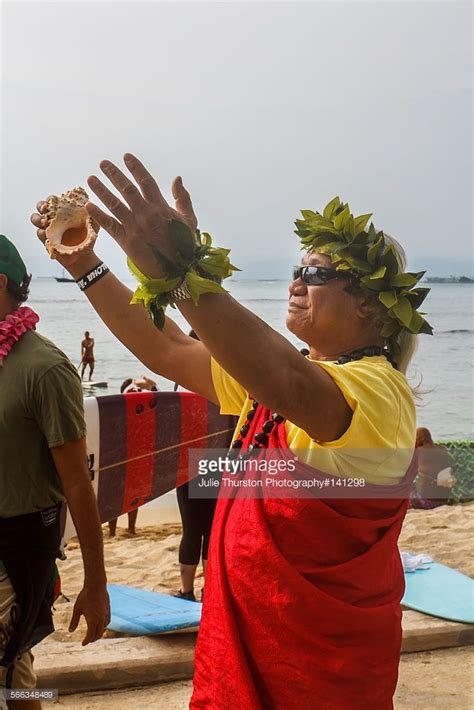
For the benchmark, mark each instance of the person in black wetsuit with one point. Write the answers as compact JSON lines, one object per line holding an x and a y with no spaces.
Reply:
{"x":196,"y":518}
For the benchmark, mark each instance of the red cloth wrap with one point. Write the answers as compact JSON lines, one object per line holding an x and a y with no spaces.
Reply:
{"x":302,"y":603}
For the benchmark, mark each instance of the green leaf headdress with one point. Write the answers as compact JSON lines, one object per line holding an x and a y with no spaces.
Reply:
{"x":363,"y":252}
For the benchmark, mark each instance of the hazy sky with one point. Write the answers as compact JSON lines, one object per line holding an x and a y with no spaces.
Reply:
{"x":263,"y":108}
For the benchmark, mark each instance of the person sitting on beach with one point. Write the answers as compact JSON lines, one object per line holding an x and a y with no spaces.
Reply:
{"x":127,"y":386}
{"x":302,"y":603}
{"x":87,"y":355}
{"x":43,"y":461}
{"x":435,"y":479}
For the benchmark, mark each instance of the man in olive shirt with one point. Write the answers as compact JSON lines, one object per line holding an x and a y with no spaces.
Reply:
{"x":43,"y":462}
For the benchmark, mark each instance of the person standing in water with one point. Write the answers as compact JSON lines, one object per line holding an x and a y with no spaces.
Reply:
{"x":87,"y":355}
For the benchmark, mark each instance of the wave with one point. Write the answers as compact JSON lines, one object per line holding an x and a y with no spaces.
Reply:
{"x":456,"y":330}
{"x":61,"y":302}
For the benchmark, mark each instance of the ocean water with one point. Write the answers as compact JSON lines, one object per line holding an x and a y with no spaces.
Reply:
{"x":443,"y":367}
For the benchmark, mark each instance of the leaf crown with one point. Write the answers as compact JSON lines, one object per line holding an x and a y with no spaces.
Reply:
{"x":371,"y":259}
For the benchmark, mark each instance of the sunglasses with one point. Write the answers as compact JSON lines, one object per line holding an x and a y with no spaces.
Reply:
{"x":318,"y":275}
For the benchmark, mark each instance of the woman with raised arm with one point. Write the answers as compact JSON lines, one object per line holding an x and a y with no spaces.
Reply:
{"x":302,"y":605}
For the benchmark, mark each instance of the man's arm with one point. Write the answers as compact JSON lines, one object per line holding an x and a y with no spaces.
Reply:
{"x":70,"y":460}
{"x":289,"y":390}
{"x":260,"y":359}
{"x":170,"y":353}
{"x":267,"y":365}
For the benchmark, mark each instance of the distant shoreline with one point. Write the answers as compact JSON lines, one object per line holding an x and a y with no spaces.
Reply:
{"x":448,"y":280}
{"x":430,"y":279}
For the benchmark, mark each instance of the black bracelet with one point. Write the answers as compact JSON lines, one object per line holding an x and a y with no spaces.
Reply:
{"x":92,"y":276}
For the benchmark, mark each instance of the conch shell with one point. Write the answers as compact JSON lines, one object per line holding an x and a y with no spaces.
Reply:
{"x":70,"y":228}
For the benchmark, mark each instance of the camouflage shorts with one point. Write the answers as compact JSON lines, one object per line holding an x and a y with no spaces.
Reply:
{"x":23,"y":675}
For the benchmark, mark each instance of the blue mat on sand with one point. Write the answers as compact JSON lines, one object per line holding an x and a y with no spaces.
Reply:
{"x":142,"y":613}
{"x":440,"y":591}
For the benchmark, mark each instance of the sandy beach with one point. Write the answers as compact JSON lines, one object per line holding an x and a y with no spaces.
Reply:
{"x":150,"y":560}
{"x":435,"y":680}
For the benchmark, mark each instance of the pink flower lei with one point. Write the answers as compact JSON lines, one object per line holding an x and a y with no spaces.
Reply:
{"x":13,"y":327}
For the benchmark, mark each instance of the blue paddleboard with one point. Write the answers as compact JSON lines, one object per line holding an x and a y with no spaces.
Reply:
{"x":141,"y":613}
{"x":440,"y":591}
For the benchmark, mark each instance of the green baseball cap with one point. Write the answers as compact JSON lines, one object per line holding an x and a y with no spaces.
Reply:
{"x":11,"y":263}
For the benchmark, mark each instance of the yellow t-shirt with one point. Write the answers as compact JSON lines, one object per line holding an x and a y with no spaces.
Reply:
{"x":378,"y":444}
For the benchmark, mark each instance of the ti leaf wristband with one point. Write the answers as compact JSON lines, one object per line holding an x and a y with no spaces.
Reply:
{"x":198,"y":265}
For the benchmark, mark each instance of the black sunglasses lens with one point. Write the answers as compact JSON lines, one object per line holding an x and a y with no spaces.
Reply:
{"x":313,"y":275}
{"x":318,"y":275}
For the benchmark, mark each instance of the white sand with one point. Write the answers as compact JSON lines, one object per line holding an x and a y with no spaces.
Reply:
{"x":446,"y":533}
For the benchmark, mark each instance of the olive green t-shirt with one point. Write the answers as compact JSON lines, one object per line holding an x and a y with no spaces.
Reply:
{"x":41,"y":406}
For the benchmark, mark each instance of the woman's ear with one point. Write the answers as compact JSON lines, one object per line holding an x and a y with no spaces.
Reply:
{"x":3,"y":282}
{"x":365,"y":306}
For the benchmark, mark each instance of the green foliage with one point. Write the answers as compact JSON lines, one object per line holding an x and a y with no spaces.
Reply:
{"x":197,"y":265}
{"x":374,"y":251}
{"x":403,"y":311}
{"x":183,"y":239}
{"x":357,"y":247}
{"x":388,"y":298}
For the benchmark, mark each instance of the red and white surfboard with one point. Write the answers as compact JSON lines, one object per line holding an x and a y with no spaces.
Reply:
{"x":138,"y":445}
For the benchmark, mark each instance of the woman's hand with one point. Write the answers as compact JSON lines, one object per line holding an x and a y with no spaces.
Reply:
{"x":78,"y":263}
{"x":140,"y":227}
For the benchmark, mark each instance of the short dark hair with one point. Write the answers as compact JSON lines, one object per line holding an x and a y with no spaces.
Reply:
{"x":19,"y":292}
{"x":125,"y":384}
{"x":87,"y":333}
